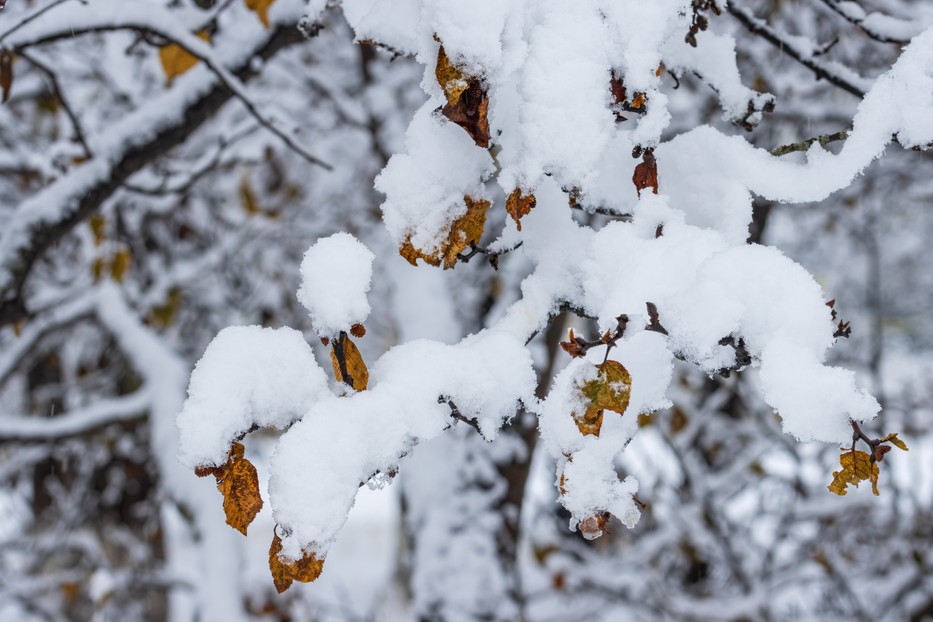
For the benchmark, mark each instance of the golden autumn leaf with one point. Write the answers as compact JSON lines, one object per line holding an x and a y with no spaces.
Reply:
{"x":120,"y":264}
{"x":260,"y":8}
{"x":6,"y":75}
{"x":451,"y":79}
{"x":248,"y":199}
{"x":892,"y":438}
{"x":97,"y":268}
{"x":238,"y":481}
{"x":348,"y":363}
{"x":305,"y":570}
{"x":610,"y":390}
{"x":857,"y":466}
{"x":164,"y":314}
{"x":519,"y":204}
{"x":176,"y":60}
{"x":464,"y":231}
{"x":98,"y":225}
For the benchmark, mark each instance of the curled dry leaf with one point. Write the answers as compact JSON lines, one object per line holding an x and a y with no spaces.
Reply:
{"x":646,"y":173}
{"x":305,"y":570}
{"x":358,"y":331}
{"x":260,"y":8}
{"x":176,"y":60}
{"x":464,"y":231}
{"x":610,"y":390}
{"x":238,"y":481}
{"x":348,"y":363}
{"x":467,"y":100}
{"x":592,"y":527}
{"x":518,"y":205}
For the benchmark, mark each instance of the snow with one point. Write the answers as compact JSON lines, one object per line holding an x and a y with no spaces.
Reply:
{"x":336,"y":274}
{"x":248,"y":376}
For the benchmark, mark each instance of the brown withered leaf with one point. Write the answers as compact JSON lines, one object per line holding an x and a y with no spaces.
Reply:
{"x":453,"y":82}
{"x":358,"y":331}
{"x":856,"y":467}
{"x":519,"y":204}
{"x":176,"y":60}
{"x":260,"y":8}
{"x":6,"y":74}
{"x":238,"y":481}
{"x":610,"y":390}
{"x":464,"y":231}
{"x":646,"y":173}
{"x":469,"y":112}
{"x":304,"y":570}
{"x":348,"y":363}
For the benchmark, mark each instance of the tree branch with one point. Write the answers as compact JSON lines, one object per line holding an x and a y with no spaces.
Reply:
{"x":75,"y":197}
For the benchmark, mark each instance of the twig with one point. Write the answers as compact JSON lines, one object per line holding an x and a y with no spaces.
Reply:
{"x":60,"y":95}
{"x":784,"y":44}
{"x":804,"y":145}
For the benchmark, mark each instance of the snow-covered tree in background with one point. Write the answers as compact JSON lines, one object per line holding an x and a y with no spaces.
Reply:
{"x":574,"y":146}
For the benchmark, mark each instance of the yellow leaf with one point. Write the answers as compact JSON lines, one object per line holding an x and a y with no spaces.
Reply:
{"x":305,"y":570}
{"x":248,"y":197}
{"x":856,"y":467}
{"x":892,"y":438}
{"x":451,"y":79}
{"x":610,"y":390}
{"x":238,"y":481}
{"x":261,"y":8}
{"x":98,"y":226}
{"x":97,"y":268}
{"x":176,"y":60}
{"x":464,"y":231}
{"x":518,"y":205}
{"x":120,"y":264}
{"x":348,"y":363}
{"x":163,"y":315}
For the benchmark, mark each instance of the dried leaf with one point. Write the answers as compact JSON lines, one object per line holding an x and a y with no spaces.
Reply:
{"x":358,"y":331}
{"x":248,"y":199}
{"x":466,"y":230}
{"x":6,"y":74}
{"x":120,"y":264}
{"x":348,"y":363}
{"x":97,"y":268}
{"x":164,"y":315}
{"x":856,"y":467}
{"x":610,"y":390}
{"x":98,"y":225}
{"x":305,"y":570}
{"x":239,"y":483}
{"x":470,"y":112}
{"x":261,"y":8}
{"x":518,"y":205}
{"x":892,"y":438}
{"x":646,"y":173}
{"x":176,"y":60}
{"x":451,"y":79}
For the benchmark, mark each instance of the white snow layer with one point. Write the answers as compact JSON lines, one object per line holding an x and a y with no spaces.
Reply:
{"x":547,"y":68}
{"x":336,"y":274}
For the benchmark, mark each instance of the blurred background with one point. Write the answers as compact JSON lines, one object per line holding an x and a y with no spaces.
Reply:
{"x":201,"y":223}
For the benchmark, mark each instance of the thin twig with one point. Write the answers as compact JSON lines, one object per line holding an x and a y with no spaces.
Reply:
{"x":804,"y":145}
